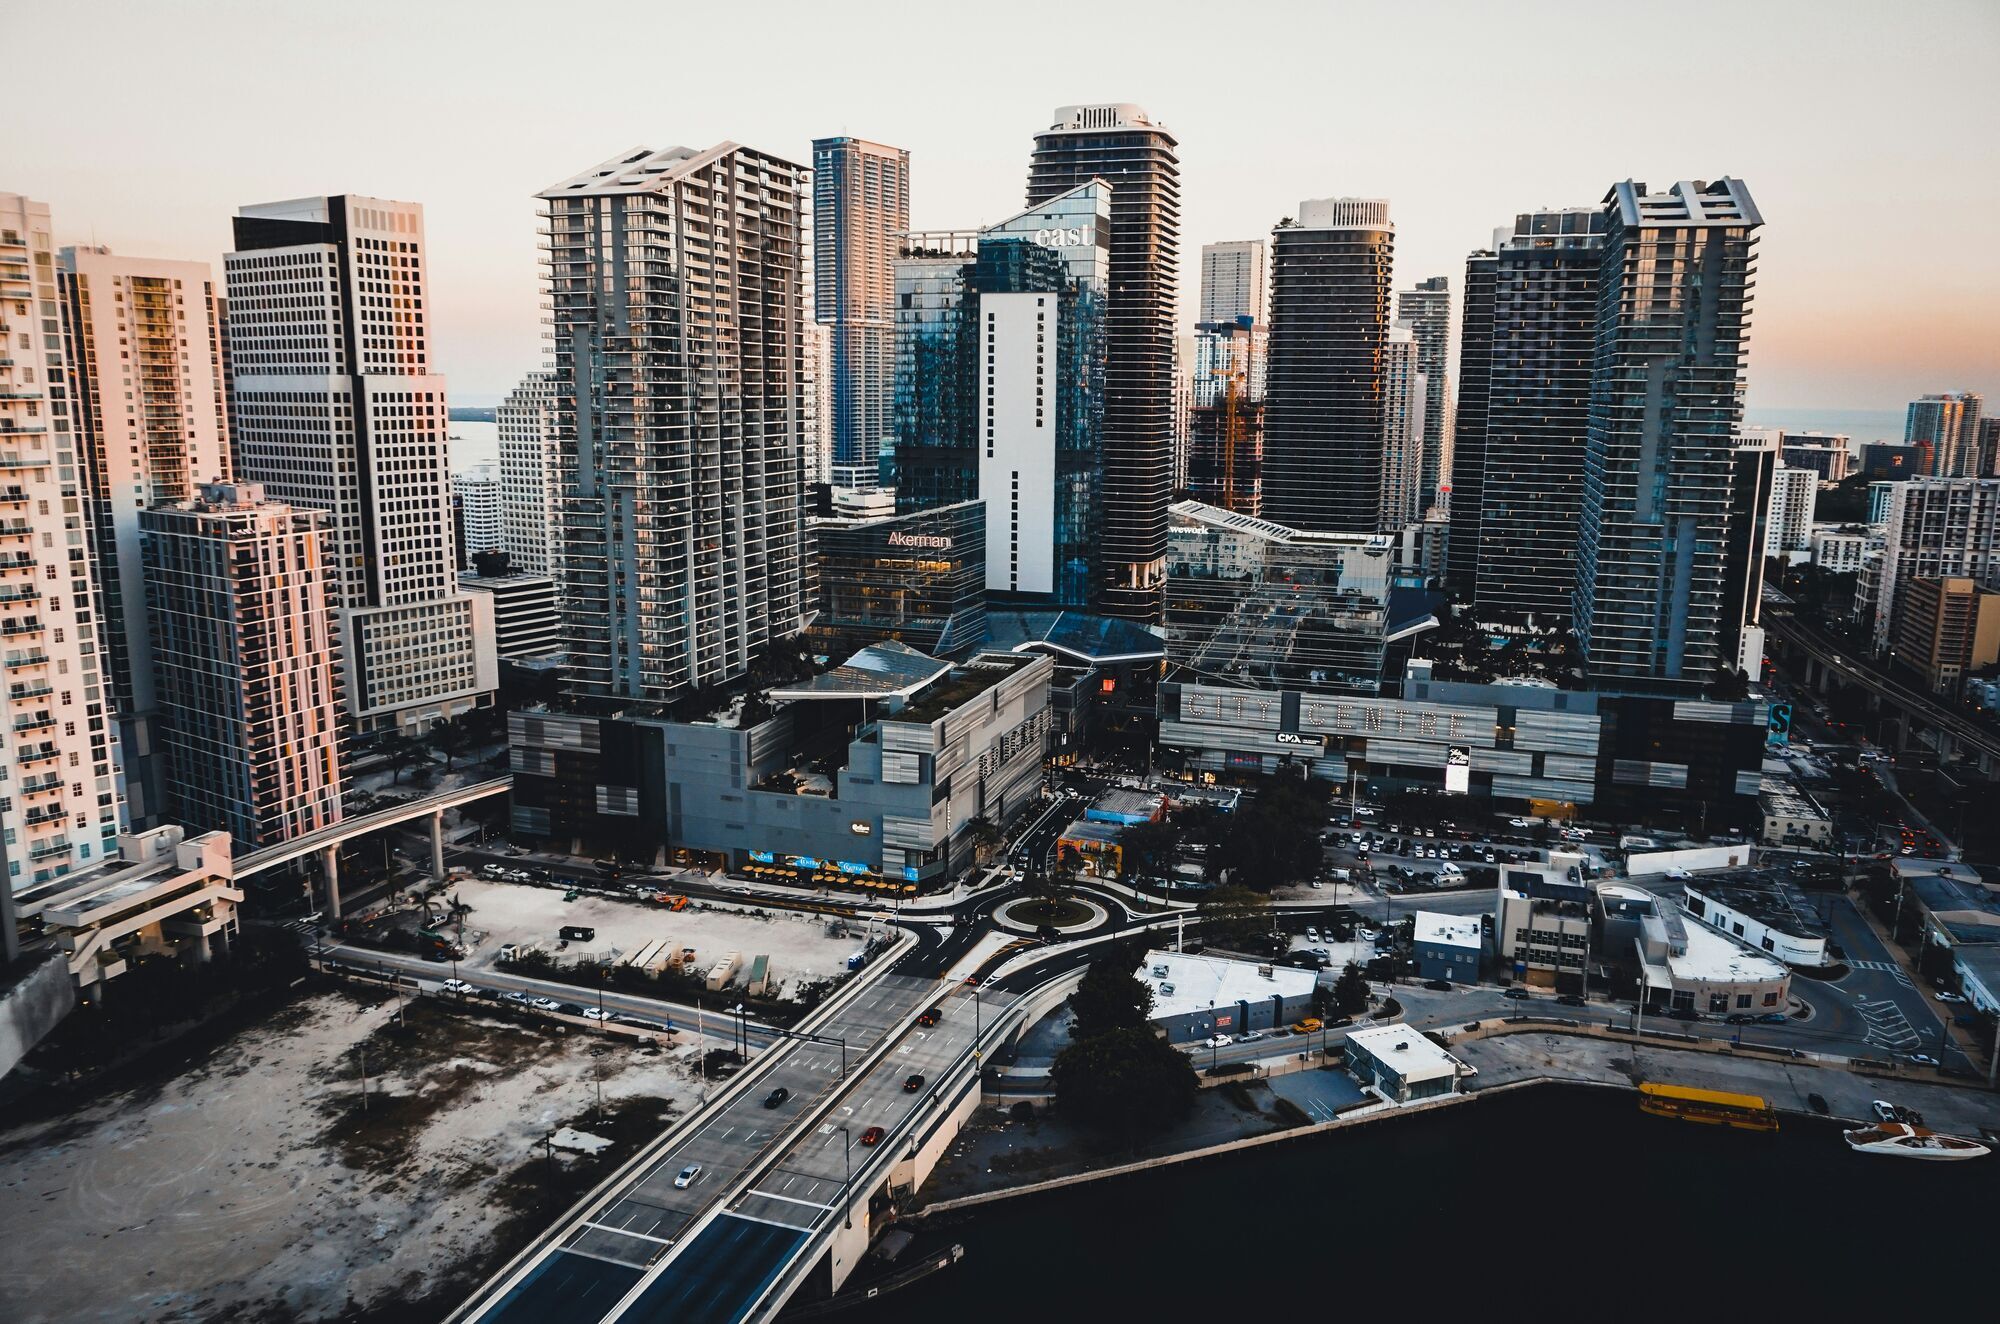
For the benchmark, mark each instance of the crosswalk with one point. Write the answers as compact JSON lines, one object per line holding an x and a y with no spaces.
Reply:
{"x":1888,"y":1027}
{"x":1885,"y":967}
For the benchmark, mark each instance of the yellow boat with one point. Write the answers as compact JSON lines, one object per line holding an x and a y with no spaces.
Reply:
{"x":1745,"y":1112}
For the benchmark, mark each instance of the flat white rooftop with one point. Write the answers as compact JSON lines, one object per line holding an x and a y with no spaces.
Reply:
{"x":1406,"y":1052}
{"x":1449,"y":930}
{"x":1182,"y":984}
{"x":1713,"y":957}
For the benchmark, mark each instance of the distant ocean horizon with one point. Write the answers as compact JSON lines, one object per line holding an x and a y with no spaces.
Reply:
{"x":1860,"y":425}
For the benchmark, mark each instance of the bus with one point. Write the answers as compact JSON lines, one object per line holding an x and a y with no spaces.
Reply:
{"x":1745,"y":1112}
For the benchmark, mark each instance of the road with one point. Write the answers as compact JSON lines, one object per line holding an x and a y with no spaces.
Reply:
{"x":1831,"y":652}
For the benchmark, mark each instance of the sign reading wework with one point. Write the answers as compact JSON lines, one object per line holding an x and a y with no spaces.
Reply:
{"x":929,"y":542}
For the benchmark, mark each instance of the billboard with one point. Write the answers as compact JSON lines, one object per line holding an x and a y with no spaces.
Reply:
{"x":1778,"y":727}
{"x":1458,"y":770}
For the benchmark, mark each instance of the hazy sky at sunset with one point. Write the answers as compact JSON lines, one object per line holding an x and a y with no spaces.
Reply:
{"x":1868,"y":133}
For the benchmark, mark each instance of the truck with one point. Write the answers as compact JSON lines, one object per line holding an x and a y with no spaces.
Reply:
{"x":759,"y":978}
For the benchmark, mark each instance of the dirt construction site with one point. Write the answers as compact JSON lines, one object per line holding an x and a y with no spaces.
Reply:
{"x":254,"y":1184}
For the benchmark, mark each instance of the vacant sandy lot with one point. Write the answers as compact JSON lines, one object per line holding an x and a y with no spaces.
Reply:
{"x":253,"y":1187}
{"x":801,"y":946}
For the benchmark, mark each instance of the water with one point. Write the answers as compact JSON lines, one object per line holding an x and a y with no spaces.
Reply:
{"x":1555,"y":1199}
{"x":1860,"y":425}
{"x":473,"y":444}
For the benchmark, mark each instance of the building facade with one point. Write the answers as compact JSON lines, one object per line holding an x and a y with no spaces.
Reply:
{"x":240,"y":592}
{"x":476,"y":501}
{"x":60,"y":759}
{"x":860,"y":207}
{"x":1225,"y":414}
{"x":335,"y":408}
{"x":1946,"y":628}
{"x":1794,"y":498}
{"x":1324,"y":415}
{"x":1756,"y":468}
{"x":917,"y":578}
{"x":1945,"y":430}
{"x":1404,"y":458}
{"x":1827,"y":454}
{"x":1464,"y":556}
{"x":1666,"y":400}
{"x":1936,"y":528}
{"x":1232,"y":281}
{"x":144,"y":360}
{"x":526,"y":622}
{"x":1125,"y":148}
{"x":530,"y":476}
{"x":675,"y":281}
{"x":1426,"y":311}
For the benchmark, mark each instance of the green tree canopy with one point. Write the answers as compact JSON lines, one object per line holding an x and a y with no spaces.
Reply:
{"x":1124,"y":1084}
{"x":1233,"y":914}
{"x":1149,"y":850}
{"x":1350,"y":991}
{"x":1273,"y":837}
{"x":1110,"y":997}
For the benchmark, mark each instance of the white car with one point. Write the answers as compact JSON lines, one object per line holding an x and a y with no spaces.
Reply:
{"x":456,"y":986}
{"x":1518,"y":822}
{"x":1312,"y":935}
{"x":1679,"y":875}
{"x":687,"y":1176}
{"x":1449,"y":869}
{"x":1217,"y":1041}
{"x":1943,"y":996}
{"x":596,"y":1014}
{"x":545,"y":1004}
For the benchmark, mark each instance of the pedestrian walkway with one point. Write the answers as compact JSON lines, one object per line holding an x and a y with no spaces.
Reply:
{"x":1885,"y":967}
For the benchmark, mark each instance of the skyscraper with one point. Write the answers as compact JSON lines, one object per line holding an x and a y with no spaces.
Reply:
{"x":1124,"y":147}
{"x":1794,"y":495}
{"x":239,"y":591}
{"x":145,"y":372}
{"x":675,"y":278}
{"x":1323,"y":410}
{"x":1404,"y":390}
{"x":476,"y":506}
{"x":1519,"y":481}
{"x":860,"y":204}
{"x":1666,"y":401}
{"x":61,"y":810}
{"x":530,"y":475}
{"x":1426,"y":310}
{"x":1232,"y":281}
{"x":1937,"y":528}
{"x":1468,"y":446}
{"x":1947,"y":427}
{"x":1755,"y":464}
{"x":1226,"y":414}
{"x":335,"y":408}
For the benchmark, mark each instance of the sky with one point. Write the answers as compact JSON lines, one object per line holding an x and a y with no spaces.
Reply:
{"x":1868,"y":133}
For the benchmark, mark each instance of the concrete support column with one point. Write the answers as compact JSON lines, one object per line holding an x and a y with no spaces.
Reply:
{"x":329,"y":872}
{"x":437,"y":846}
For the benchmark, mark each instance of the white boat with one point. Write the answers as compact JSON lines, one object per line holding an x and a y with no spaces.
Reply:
{"x":1906,"y":1141}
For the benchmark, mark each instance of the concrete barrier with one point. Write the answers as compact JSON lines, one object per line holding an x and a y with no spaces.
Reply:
{"x":34,"y":1005}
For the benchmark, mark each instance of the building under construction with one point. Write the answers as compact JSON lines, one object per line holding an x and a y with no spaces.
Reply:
{"x":1226,"y":416}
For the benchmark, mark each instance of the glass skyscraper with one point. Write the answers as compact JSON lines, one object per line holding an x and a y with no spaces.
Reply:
{"x":1426,"y":310}
{"x":861,"y":205}
{"x":1122,"y":146}
{"x":1666,"y":403}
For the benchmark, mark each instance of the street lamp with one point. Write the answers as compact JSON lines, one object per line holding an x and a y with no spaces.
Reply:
{"x":847,"y":1187}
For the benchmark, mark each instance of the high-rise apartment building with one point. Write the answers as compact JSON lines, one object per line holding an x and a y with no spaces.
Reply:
{"x":246,"y":663}
{"x":1232,"y":281}
{"x":1946,"y":629}
{"x":1524,"y":412}
{"x":61,"y":810}
{"x":336,"y":408}
{"x":530,"y":476}
{"x":1937,"y":528}
{"x":1755,"y":467}
{"x":1666,"y":402}
{"x":1404,"y":391}
{"x":1946,"y":428}
{"x":1324,"y":410}
{"x":1794,"y":497}
{"x":675,"y":279}
{"x":860,"y":206}
{"x":1988,"y":465}
{"x":145,"y":374}
{"x":1828,"y":454}
{"x":1001,"y":354}
{"x":1426,"y":310}
{"x":476,"y":501}
{"x":1123,"y":146}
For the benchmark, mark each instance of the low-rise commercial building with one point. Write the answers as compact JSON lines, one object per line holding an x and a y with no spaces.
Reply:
{"x":1401,"y":1064}
{"x":1978,"y":971}
{"x":1791,"y":817}
{"x":1449,"y":946}
{"x":1542,"y":923}
{"x":1693,"y":967}
{"x":1097,"y":845}
{"x":1762,"y":911}
{"x":1956,"y":911}
{"x":1198,"y":996}
{"x":1125,"y":806}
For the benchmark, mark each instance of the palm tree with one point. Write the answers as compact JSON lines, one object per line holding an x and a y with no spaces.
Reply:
{"x":402,"y":752}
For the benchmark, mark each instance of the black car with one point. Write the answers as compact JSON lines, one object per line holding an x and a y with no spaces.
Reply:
{"x":1738,"y":1018}
{"x":1440,"y":985}
{"x":913,"y":1083}
{"x":569,"y":1009}
{"x":1684,"y":1014}
{"x":777,"y":1097}
{"x":1570,"y":1000}
{"x":1515,"y":993}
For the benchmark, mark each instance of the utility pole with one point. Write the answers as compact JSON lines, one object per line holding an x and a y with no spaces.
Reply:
{"x":847,"y":1187}
{"x":362,"y":1047}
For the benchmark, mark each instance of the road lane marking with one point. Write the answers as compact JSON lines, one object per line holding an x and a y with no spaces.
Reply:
{"x":627,"y":1232}
{"x":790,"y":1199}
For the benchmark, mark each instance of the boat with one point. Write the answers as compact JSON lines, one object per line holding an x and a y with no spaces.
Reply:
{"x":1907,"y":1141}
{"x":1743,"y":1112}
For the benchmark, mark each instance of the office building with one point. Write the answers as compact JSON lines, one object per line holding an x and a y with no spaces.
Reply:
{"x":1225,"y":415}
{"x":1324,"y":415}
{"x":1232,"y":281}
{"x":1001,"y":349}
{"x":675,"y":283}
{"x":1945,"y":430}
{"x":1666,"y":401}
{"x":1750,"y":515}
{"x":1404,"y":389}
{"x":1195,"y":997}
{"x":526,"y":622}
{"x":1125,"y":148}
{"x":1842,"y":550}
{"x":1936,"y":528}
{"x":1466,"y":503}
{"x":1946,"y":629}
{"x":530,"y":476}
{"x":860,"y":206}
{"x":1517,"y":483}
{"x":1401,"y":1064}
{"x":873,"y":771}
{"x":1426,"y":310}
{"x":1890,"y":462}
{"x":62,"y":809}
{"x":246,"y":663}
{"x":1988,"y":465}
{"x":145,"y":374}
{"x":918,"y":578}
{"x":1253,"y":603}
{"x":1878,"y":500}
{"x":335,"y":408}
{"x":1827,"y":454}
{"x":476,"y":511}
{"x":1794,"y":495}
{"x":1449,"y":947}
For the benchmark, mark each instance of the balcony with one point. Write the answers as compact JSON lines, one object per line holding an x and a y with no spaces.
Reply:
{"x":28,"y":593}
{"x":39,"y":722}
{"x":18,"y":660}
{"x":36,"y":690}
{"x":52,"y":782}
{"x":39,"y":754}
{"x":54,"y":846}
{"x":44,"y":814}
{"x":15,"y":629}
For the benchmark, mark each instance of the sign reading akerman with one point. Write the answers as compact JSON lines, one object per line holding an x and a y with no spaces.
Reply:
{"x":929,"y":542}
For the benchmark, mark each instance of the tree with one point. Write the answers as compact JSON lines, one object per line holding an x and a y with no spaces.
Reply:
{"x":401,"y":751}
{"x":450,"y":736}
{"x":1233,"y":914}
{"x":1273,"y":837}
{"x":1350,"y":991}
{"x":1124,"y":1083}
{"x":985,"y":838}
{"x":1148,"y":850}
{"x":1109,"y":996}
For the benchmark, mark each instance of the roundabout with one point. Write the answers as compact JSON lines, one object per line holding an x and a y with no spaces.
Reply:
{"x":1067,"y":915}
